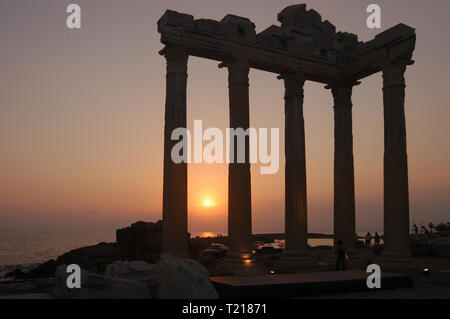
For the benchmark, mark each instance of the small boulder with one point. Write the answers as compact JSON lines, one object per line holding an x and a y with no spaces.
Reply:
{"x":44,"y":270}
{"x":184,"y":279}
{"x":93,"y":258}
{"x":94,"y":286}
{"x":140,"y":241}
{"x":16,"y":274}
{"x":134,"y":270}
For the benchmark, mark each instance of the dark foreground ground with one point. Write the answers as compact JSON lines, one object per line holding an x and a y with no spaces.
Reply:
{"x":434,"y":286}
{"x":142,"y":242}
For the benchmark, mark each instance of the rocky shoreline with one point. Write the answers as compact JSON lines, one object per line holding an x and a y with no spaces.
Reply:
{"x":137,"y":251}
{"x":140,"y":241}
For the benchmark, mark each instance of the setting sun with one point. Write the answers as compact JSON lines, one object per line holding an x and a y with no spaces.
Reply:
{"x":207,"y":203}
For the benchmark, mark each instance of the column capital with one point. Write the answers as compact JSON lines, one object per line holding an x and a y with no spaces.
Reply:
{"x":176,"y":57}
{"x":342,"y":84}
{"x":235,"y":62}
{"x":342,"y":92}
{"x":293,"y":84}
{"x":393,"y":74}
{"x":238,"y":70}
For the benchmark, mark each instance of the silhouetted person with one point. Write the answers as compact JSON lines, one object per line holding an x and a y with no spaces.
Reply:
{"x":368,"y":239}
{"x":424,"y":229}
{"x":431,"y":226}
{"x":416,"y":229}
{"x":377,"y":239}
{"x":340,"y":252}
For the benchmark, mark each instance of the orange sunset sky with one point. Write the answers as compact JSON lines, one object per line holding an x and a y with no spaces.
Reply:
{"x":82,"y":116}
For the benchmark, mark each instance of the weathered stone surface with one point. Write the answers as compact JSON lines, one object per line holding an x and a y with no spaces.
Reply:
{"x":230,"y":26}
{"x":239,"y":186}
{"x":296,"y":218}
{"x":94,"y":258}
{"x":300,"y":28}
{"x":43,"y":285}
{"x":134,"y":270}
{"x":44,"y":270}
{"x":296,"y":20}
{"x":272,"y":37}
{"x":344,"y":181}
{"x":288,"y":14}
{"x":337,"y":46}
{"x":16,"y":287}
{"x":175,"y":209}
{"x":208,"y":25}
{"x":347,"y":47}
{"x":140,"y":241}
{"x":239,"y":27}
{"x":242,"y":21}
{"x":16,"y":274}
{"x":173,"y":18}
{"x":314,"y":15}
{"x":395,"y":33}
{"x":396,"y":197}
{"x":184,"y":278}
{"x":307,"y":35}
{"x":329,"y":27}
{"x":94,"y":286}
{"x":300,"y":47}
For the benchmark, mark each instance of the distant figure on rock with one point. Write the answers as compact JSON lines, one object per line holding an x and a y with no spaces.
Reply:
{"x":341,"y":255}
{"x":368,"y":239}
{"x":416,"y":229}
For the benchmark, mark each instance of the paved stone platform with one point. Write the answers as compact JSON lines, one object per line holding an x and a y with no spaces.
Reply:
{"x":304,"y":284}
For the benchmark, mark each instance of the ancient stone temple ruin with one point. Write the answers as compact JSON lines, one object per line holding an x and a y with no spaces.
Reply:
{"x":303,"y":48}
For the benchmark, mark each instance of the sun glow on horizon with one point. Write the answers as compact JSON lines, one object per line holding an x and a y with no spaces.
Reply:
{"x":208,"y":203}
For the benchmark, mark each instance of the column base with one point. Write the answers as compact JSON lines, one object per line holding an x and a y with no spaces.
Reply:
{"x":236,"y":264}
{"x":395,"y":259}
{"x":295,"y":262}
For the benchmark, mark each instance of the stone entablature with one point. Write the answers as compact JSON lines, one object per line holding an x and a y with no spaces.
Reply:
{"x":303,"y":43}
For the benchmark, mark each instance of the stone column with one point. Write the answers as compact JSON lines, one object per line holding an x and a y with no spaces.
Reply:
{"x":175,"y":235}
{"x":396,"y":201}
{"x":296,"y":223}
{"x":344,"y":181}
{"x":239,"y":187}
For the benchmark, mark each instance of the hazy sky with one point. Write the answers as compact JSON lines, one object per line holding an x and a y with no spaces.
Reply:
{"x":81,"y":117}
